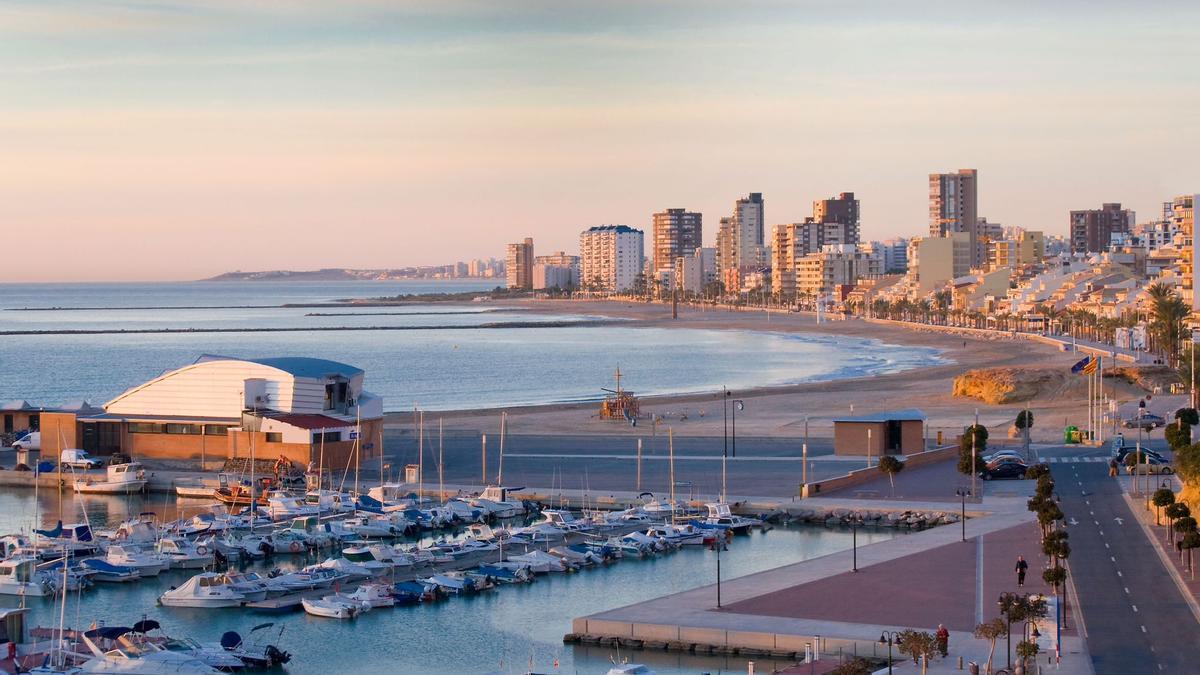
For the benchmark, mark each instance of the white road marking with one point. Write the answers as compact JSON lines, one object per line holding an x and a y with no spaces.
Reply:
{"x":1106,"y":544}
{"x":1143,"y":629}
{"x":1134,"y":607}
{"x":1126,"y":590}
{"x":1112,"y":558}
{"x":1119,"y":573}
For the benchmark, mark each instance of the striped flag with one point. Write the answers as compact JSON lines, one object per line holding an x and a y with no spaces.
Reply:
{"x":1091,"y":366}
{"x":1078,"y":367}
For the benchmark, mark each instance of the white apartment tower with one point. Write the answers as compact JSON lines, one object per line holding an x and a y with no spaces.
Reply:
{"x":610,"y":257}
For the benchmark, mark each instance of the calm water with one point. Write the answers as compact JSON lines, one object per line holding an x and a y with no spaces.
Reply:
{"x":450,"y":363}
{"x":496,"y":631}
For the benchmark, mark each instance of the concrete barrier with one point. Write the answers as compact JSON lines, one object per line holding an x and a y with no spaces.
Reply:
{"x":865,"y":475}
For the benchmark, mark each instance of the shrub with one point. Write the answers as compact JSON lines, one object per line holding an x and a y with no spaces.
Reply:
{"x":1189,"y":416}
{"x":1025,"y":419}
{"x":1178,"y":436}
{"x":1036,"y":471}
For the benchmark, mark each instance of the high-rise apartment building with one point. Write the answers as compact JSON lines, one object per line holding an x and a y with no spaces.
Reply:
{"x":557,"y":270}
{"x":519,"y":265}
{"x":1092,"y":229}
{"x":841,"y":211}
{"x":610,"y":257}
{"x":696,"y":270}
{"x":834,"y":266}
{"x":677,"y":232}
{"x":932,"y":261}
{"x":1183,"y":221}
{"x":740,"y":247}
{"x":954,"y":207}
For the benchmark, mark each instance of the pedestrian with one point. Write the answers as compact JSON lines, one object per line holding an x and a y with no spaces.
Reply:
{"x":943,"y":640}
{"x":1112,"y":467}
{"x":1022,"y":568}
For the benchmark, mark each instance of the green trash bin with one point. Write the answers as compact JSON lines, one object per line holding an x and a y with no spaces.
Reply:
{"x":1071,"y":434}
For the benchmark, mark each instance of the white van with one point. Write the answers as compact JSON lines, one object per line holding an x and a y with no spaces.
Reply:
{"x":30,"y":441}
{"x":79,"y":459}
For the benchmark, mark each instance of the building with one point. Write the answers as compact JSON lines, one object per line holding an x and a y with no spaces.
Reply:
{"x":932,"y":261}
{"x":557,"y":270}
{"x":1025,"y":248}
{"x":740,"y":245}
{"x":677,"y":232}
{"x":18,"y":417}
{"x":610,"y":258}
{"x":1092,"y":229}
{"x":839,"y":218}
{"x":694,"y":272}
{"x":895,"y":255}
{"x":519,"y":265}
{"x":300,"y":409}
{"x":1183,"y":222}
{"x":954,"y":207}
{"x":834,"y":266}
{"x":899,"y":432}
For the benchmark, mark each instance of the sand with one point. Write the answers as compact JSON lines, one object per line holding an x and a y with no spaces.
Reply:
{"x":782,"y":411}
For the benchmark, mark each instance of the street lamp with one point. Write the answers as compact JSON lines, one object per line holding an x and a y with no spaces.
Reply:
{"x":889,"y":637}
{"x":718,"y":544}
{"x":962,"y":493}
{"x":738,"y":404}
{"x":855,"y":522}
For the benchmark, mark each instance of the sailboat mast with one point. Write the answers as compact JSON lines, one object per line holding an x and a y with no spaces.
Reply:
{"x":441,"y":465}
{"x":421,"y":458}
{"x":357,"y":448}
{"x":253,"y":505}
{"x":671,"y":463}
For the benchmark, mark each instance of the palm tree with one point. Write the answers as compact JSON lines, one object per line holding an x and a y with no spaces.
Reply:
{"x":1168,"y":311}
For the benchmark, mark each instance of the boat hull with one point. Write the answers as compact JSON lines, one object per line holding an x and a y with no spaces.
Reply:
{"x":105,"y":488}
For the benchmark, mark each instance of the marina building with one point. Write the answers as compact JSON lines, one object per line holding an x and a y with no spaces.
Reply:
{"x":297,"y":408}
{"x":610,"y":258}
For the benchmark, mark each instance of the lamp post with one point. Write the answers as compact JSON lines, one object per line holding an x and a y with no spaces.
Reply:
{"x":1029,"y":633}
{"x":1006,"y":602}
{"x":725,"y":413}
{"x":738,"y":404}
{"x":855,"y":522}
{"x":804,"y":455}
{"x":962,"y":493}
{"x":888,"y":637}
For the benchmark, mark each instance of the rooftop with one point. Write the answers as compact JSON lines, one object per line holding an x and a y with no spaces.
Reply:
{"x":906,"y":415}
{"x":297,"y":366}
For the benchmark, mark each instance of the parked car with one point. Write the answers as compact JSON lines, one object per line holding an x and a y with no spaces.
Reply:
{"x":30,"y":441}
{"x":1127,"y":450}
{"x":1150,"y":464}
{"x":1009,"y":469}
{"x":78,"y":459}
{"x":1145,"y":421}
{"x":1004,"y":454}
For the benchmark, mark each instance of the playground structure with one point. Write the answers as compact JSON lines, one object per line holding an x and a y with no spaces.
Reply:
{"x":620,"y":404}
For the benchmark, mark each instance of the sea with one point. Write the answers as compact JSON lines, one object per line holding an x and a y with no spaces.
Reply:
{"x":511,"y":630}
{"x":71,"y":342}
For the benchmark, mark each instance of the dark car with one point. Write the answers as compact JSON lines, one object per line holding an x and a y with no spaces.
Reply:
{"x":1145,"y":421}
{"x":1001,"y":470}
{"x":1127,"y":450}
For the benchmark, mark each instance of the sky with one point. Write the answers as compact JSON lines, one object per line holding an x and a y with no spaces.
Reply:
{"x":174,"y":140}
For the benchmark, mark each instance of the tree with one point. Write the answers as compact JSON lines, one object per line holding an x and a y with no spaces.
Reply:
{"x":1026,"y":649}
{"x":974,"y":436}
{"x":1189,"y":416}
{"x":916,"y":644}
{"x":1024,"y":424}
{"x":1167,"y":311}
{"x":1019,"y":608}
{"x":1047,"y":515}
{"x":1055,"y":576}
{"x":1190,"y":541}
{"x":1162,"y":497}
{"x":1178,"y":435}
{"x":991,"y":631}
{"x":1036,"y":471}
{"x":1056,"y":547}
{"x":1174,"y":511}
{"x":891,"y":466}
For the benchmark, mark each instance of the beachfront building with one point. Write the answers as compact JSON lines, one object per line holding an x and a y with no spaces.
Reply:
{"x":740,"y":244}
{"x":954,"y":207}
{"x":610,"y":258}
{"x":1092,"y":229}
{"x":557,"y":270}
{"x":695,"y":271}
{"x":519,"y":265}
{"x":898,"y":432}
{"x":1016,"y":249}
{"x":932,"y":261}
{"x":677,"y":232}
{"x":834,"y":267}
{"x":297,"y":408}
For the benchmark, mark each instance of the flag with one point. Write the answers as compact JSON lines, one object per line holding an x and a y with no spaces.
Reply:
{"x":1080,"y":366}
{"x":1091,"y":366}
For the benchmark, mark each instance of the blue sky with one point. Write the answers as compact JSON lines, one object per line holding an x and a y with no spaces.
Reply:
{"x":424,"y":132}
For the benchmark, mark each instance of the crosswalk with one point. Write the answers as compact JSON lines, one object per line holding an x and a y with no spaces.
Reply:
{"x":1072,"y":460}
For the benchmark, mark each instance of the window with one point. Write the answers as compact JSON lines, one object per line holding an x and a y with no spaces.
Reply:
{"x":185,"y":429}
{"x":216,"y":430}
{"x":274,"y":437}
{"x":328,"y":437}
{"x":145,"y":428}
{"x":329,"y":397}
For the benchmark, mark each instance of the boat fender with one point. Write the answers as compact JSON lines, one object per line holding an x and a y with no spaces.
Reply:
{"x":202,"y":549}
{"x":294,"y":547}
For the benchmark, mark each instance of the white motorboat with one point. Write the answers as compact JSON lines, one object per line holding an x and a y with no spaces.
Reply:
{"x":120,"y":479}
{"x":194,"y":489}
{"x":540,"y":562}
{"x":563,"y":520}
{"x":350,"y":570}
{"x":107,"y":572}
{"x":377,"y":558}
{"x":126,"y":657}
{"x":282,"y":506}
{"x":659,"y":508}
{"x":720,"y":516}
{"x":138,"y":531}
{"x":685,"y":534}
{"x":251,"y":587}
{"x":630,"y":669}
{"x":328,"y":501}
{"x":498,"y":501}
{"x":372,"y":595}
{"x":207,"y":590}
{"x":332,"y":607}
{"x":20,"y":576}
{"x":184,"y":554}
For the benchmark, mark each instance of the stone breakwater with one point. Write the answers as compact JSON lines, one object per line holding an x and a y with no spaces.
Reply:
{"x":837,"y":517}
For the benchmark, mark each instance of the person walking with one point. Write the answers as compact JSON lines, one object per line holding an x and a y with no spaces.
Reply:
{"x":943,"y":640}
{"x":1022,"y":568}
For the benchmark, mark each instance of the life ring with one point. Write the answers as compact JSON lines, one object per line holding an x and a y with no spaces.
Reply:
{"x":202,"y":549}
{"x":295,"y":547}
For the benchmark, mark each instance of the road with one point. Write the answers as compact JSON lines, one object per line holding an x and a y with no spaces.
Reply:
{"x":1136,"y":619}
